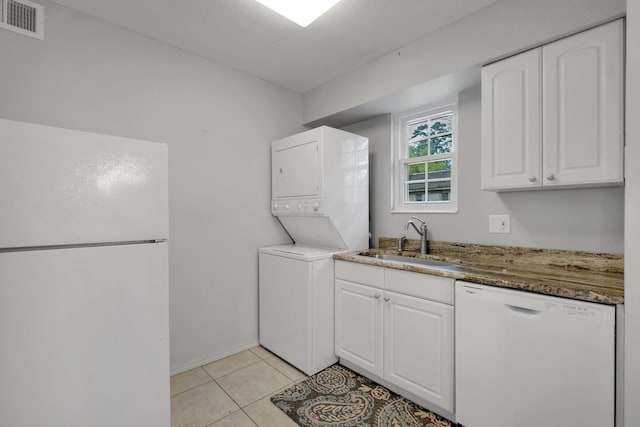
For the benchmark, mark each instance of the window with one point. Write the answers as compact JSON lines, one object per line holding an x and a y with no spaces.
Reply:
{"x":425,"y":160}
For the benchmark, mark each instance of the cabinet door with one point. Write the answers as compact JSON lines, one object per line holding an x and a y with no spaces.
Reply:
{"x":582,"y":108}
{"x":418,"y":354}
{"x":511,"y":127}
{"x":359,"y":325}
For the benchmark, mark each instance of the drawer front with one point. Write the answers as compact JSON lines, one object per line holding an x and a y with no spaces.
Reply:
{"x":435,"y":288}
{"x":360,"y":273}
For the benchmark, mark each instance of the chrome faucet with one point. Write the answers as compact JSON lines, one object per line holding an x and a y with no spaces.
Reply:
{"x":422,"y":231}
{"x":401,"y":240}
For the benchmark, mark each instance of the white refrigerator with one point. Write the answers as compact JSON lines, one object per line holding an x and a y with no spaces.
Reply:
{"x":83,"y":279}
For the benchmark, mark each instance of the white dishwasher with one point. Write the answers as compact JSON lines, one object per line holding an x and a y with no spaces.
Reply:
{"x":526,"y":360}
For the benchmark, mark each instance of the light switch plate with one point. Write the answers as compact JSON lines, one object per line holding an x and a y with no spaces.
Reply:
{"x":499,"y":224}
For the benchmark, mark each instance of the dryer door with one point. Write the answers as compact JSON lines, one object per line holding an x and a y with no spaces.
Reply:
{"x":295,"y":170}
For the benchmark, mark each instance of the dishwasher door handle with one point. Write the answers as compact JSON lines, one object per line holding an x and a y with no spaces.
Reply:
{"x":522,"y":310}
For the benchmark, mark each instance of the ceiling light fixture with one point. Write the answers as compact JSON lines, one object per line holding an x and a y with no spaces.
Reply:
{"x":302,"y":12}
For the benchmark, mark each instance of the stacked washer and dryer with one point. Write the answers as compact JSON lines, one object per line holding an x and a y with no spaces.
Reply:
{"x":320,"y":194}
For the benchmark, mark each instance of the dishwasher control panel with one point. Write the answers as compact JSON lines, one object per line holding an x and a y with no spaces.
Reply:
{"x":532,"y":303}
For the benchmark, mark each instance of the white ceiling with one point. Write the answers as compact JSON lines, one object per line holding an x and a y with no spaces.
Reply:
{"x":247,"y":36}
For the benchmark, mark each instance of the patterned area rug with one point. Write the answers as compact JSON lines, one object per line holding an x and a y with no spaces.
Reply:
{"x":338,"y":397}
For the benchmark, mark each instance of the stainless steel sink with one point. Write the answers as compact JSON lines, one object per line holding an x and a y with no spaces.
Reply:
{"x":421,"y":262}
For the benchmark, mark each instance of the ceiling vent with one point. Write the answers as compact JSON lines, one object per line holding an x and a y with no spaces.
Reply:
{"x":24,"y":17}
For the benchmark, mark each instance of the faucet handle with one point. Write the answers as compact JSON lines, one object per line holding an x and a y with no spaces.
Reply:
{"x":421,"y":221}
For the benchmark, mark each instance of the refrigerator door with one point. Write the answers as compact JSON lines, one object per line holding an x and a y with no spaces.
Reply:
{"x":61,"y":186}
{"x":84,"y":337}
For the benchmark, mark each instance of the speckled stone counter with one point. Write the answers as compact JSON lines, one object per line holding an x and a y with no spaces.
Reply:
{"x":595,"y":277}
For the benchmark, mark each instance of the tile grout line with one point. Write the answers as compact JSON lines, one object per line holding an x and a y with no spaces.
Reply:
{"x":249,"y":416}
{"x":229,"y":373}
{"x":233,"y":372}
{"x":261,"y":397}
{"x":213,"y":380}
{"x":225,"y":392}
{"x":195,"y":386}
{"x":234,"y":412}
{"x":291,"y":382}
{"x":242,"y":408}
{"x":282,"y":372}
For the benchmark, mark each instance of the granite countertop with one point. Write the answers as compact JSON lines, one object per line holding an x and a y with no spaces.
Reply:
{"x":587,"y":276}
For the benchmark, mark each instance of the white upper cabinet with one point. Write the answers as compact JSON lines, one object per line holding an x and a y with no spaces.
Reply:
{"x":582,"y":114}
{"x":511,"y":127}
{"x":553,"y":116}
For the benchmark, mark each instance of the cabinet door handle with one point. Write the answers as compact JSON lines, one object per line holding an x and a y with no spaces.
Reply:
{"x":386,"y":299}
{"x":377,"y":296}
{"x":550,"y":177}
{"x":532,"y":179}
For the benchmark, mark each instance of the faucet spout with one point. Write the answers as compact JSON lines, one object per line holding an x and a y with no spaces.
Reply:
{"x":422,"y":231}
{"x":411,"y":223}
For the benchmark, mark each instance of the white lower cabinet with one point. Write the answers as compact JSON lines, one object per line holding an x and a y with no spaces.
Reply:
{"x":418,"y":347}
{"x":406,"y":340}
{"x":359,"y":325}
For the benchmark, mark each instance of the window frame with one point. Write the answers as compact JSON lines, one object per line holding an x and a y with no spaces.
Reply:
{"x":400,"y":160}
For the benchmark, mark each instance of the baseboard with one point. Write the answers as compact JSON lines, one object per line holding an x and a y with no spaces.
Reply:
{"x":183,"y":367}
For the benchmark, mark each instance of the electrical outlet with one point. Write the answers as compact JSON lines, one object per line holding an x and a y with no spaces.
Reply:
{"x":499,"y":224}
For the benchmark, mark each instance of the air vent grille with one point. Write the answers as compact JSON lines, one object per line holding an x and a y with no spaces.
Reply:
{"x":21,"y":15}
{"x":24,"y":17}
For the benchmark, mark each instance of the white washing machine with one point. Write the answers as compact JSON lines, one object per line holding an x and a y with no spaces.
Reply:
{"x":320,"y":194}
{"x":296,"y":305}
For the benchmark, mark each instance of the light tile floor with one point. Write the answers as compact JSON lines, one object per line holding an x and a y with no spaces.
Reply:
{"x":233,"y":392}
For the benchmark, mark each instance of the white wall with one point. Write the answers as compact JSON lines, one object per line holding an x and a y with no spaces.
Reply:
{"x":632,"y":213}
{"x":218,"y":123}
{"x":583,"y":219}
{"x":495,"y":31}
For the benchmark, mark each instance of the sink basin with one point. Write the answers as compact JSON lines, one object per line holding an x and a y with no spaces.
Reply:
{"x":421,"y":262}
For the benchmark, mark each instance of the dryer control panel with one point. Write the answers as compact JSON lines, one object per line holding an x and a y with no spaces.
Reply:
{"x":298,"y":207}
